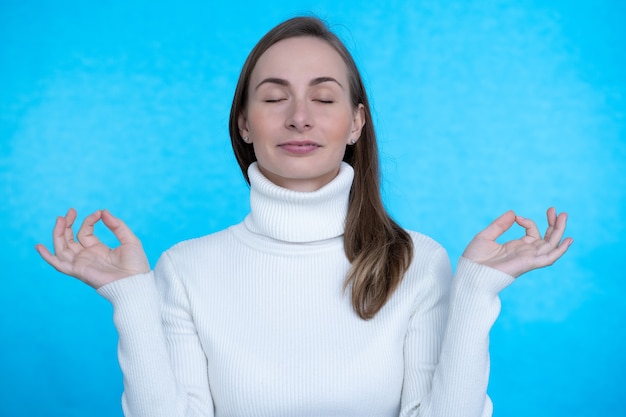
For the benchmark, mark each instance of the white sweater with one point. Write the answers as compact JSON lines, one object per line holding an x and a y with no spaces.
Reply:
{"x":252,"y":321}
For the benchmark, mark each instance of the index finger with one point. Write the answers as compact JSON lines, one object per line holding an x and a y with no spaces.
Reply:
{"x":85,"y":234}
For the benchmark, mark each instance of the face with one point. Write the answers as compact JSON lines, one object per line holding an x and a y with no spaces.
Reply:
{"x":299,"y":117}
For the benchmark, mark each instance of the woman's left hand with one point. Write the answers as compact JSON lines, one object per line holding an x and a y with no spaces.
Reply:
{"x":521,"y":255}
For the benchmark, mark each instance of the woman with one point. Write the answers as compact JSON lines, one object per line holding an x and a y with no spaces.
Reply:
{"x":317,"y":303}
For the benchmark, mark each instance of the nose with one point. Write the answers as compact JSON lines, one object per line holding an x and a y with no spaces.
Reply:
{"x":299,"y":117}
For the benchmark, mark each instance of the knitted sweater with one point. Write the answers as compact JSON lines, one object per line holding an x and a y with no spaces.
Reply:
{"x":252,"y":321}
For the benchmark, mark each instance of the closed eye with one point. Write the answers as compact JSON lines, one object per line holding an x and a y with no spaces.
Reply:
{"x":274,"y":100}
{"x":324,"y":101}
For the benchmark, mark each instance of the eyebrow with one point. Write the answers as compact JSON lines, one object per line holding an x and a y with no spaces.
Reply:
{"x":285,"y":83}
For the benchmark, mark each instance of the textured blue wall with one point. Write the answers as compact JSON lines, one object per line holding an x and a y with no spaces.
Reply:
{"x":480,"y":107}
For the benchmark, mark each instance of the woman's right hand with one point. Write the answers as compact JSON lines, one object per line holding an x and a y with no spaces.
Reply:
{"x":88,"y":259}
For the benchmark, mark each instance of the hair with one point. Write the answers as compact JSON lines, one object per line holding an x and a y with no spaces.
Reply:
{"x":379,"y":250}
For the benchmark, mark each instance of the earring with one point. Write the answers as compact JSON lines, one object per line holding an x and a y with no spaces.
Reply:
{"x":352,"y":141}
{"x":246,"y":139}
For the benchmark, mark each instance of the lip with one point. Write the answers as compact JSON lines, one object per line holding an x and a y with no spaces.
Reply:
{"x":299,"y":147}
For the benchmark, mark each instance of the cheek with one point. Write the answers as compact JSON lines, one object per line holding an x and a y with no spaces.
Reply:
{"x":260,"y":121}
{"x":254,"y":127}
{"x":342,"y":124}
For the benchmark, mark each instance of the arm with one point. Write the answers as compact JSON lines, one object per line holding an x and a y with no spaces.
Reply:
{"x":165,"y":371}
{"x":447,"y":344}
{"x":459,"y":381}
{"x":157,"y":382}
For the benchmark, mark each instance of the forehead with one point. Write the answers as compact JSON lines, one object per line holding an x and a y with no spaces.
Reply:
{"x":300,"y":58}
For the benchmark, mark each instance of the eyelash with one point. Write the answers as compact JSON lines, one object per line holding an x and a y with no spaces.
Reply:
{"x":319,"y":100}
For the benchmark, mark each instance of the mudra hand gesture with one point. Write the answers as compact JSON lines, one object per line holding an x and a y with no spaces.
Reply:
{"x":517,"y":257}
{"x":87,"y":258}
{"x":94,"y":263}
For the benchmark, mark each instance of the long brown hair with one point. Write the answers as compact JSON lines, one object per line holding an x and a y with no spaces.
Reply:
{"x":379,"y":250}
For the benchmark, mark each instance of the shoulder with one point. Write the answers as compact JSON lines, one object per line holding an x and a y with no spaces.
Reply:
{"x":427,"y":252}
{"x":189,"y":257}
{"x":424,"y":244}
{"x":200,"y":244}
{"x":430,"y":260}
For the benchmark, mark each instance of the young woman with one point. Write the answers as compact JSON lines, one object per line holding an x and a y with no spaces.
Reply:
{"x":318,"y":303}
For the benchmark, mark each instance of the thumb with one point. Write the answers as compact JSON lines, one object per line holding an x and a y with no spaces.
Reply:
{"x":119,"y":228}
{"x":499,"y":226}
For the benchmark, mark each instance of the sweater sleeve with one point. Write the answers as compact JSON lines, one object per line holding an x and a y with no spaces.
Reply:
{"x":159,"y":352}
{"x":455,"y":325}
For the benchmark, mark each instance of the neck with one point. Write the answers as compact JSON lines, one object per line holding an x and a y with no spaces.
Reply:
{"x":297,"y":216}
{"x":302,"y":185}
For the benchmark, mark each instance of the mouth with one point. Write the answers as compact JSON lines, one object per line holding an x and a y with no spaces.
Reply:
{"x":299,"y":147}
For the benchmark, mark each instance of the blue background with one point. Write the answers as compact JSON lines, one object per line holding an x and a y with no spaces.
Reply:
{"x":480,"y":107}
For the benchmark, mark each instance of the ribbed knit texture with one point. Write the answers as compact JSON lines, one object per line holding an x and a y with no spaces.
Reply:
{"x":252,"y":321}
{"x":294,"y":216}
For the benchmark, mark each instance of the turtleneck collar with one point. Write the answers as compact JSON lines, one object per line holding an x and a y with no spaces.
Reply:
{"x":295,"y":216}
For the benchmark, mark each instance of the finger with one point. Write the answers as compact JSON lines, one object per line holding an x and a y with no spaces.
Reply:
{"x":499,"y":226}
{"x":531,"y":228}
{"x":119,"y":228}
{"x":68,"y":242}
{"x":70,"y":217}
{"x":44,"y":252}
{"x":551,"y":215}
{"x":60,"y":235}
{"x":47,"y":256}
{"x":73,"y":245}
{"x":85,"y":234}
{"x":556,"y":234}
{"x":552,"y":256}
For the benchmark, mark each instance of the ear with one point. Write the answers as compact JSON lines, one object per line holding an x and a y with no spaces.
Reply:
{"x":242,"y":123}
{"x":358,"y":121}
